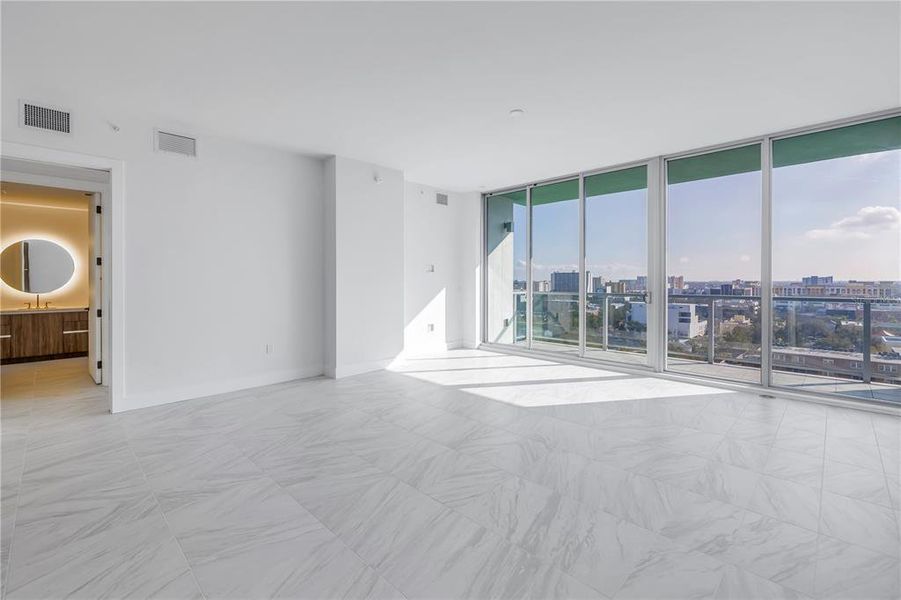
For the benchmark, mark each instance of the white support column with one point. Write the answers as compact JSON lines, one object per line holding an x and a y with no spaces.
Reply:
{"x":766,"y":263}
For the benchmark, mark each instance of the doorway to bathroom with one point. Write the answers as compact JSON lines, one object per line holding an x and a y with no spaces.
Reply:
{"x":51,"y":281}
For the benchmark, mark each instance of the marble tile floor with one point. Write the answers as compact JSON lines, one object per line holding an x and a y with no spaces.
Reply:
{"x":466,"y":475}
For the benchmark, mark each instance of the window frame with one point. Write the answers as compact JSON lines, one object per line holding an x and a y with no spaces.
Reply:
{"x":657,"y":267}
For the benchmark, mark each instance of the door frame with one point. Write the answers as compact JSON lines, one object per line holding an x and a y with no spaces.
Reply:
{"x":113,"y":241}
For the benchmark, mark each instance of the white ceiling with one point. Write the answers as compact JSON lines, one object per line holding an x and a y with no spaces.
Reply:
{"x":426,"y":87}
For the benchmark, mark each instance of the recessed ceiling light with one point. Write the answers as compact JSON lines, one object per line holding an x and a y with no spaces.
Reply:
{"x":516,"y":113}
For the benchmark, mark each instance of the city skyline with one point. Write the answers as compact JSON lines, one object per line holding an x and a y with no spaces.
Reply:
{"x":841,"y":215}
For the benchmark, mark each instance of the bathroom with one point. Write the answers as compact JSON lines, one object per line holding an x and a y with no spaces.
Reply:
{"x":50,"y":278}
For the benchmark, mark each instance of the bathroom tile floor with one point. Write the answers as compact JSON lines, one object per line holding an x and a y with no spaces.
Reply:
{"x":466,"y":475}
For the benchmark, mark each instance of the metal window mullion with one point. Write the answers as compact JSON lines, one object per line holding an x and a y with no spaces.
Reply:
{"x":529,"y":309}
{"x":766,"y":263}
{"x":583,"y":283}
{"x":657,"y":300}
{"x":483,"y":304}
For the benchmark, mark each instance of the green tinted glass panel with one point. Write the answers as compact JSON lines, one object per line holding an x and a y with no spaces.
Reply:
{"x":555,"y":192}
{"x":865,"y":138}
{"x":626,"y":180}
{"x":716,"y":164}
{"x":518,"y":197}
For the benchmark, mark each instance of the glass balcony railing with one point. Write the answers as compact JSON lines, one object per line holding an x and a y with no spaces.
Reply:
{"x":616,"y":322}
{"x":555,"y":319}
{"x":519,"y":325}
{"x":844,"y":340}
{"x":851,"y":339}
{"x":714,"y":329}
{"x":854,"y":338}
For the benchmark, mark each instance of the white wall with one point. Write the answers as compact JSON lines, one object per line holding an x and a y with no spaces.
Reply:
{"x":365,"y":218}
{"x":223,"y":253}
{"x":431,"y":297}
{"x":469,"y":246}
{"x":446,"y":238}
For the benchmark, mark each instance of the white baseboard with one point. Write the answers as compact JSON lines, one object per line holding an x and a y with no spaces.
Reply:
{"x":357,"y":368}
{"x":156,"y":398}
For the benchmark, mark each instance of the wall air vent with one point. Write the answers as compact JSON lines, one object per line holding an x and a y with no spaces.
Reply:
{"x":176,"y":144}
{"x":441,"y":199}
{"x":44,"y":117}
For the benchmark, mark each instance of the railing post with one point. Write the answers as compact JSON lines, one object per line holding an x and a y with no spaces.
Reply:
{"x":867,"y":340}
{"x":711,"y":331}
{"x":606,"y":318}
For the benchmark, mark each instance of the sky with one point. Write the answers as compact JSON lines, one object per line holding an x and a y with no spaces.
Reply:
{"x":839,"y":217}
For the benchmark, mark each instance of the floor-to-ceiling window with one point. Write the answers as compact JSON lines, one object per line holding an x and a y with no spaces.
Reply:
{"x":713,"y":263}
{"x":616,"y":265}
{"x":506,"y":236}
{"x":778,"y":261}
{"x":555,"y":266}
{"x":837,"y":261}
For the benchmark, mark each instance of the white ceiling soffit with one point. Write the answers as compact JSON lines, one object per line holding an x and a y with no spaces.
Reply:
{"x":427,"y":87}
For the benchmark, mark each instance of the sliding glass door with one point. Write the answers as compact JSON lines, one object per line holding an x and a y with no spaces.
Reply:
{"x":555,"y":266}
{"x":616,"y":265}
{"x":713,"y":264}
{"x":837,"y":261}
{"x":506,"y":241}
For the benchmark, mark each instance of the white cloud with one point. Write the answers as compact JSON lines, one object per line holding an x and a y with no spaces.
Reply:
{"x":867,"y":221}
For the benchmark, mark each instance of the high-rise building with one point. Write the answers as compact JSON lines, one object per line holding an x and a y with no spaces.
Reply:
{"x":597,"y":284}
{"x":816,"y":280}
{"x":541,"y":286}
{"x":681,"y":319}
{"x":676,"y":282}
{"x":567,"y":281}
{"x":615,"y":287}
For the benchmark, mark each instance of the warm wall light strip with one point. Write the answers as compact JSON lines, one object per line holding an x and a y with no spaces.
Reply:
{"x":76,"y":331}
{"x":30,"y":205}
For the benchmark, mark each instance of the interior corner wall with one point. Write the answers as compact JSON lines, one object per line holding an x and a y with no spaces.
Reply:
{"x":469,"y":244}
{"x":329,"y":283}
{"x":223,"y":252}
{"x":364,"y":225}
{"x":436,"y":266}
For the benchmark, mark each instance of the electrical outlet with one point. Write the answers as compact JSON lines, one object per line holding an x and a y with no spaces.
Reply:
{"x":431,"y":327}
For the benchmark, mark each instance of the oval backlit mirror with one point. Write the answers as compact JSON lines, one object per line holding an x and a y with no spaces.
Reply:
{"x":36,"y":266}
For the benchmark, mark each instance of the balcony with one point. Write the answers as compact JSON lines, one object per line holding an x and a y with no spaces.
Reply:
{"x":848,"y":346}
{"x":818,"y":342}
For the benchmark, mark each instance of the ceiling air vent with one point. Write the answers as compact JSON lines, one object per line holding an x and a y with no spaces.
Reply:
{"x":441,"y":199}
{"x":44,"y":117}
{"x":176,"y":144}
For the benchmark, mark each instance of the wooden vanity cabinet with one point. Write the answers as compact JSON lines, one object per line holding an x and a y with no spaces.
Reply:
{"x":43,"y":335}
